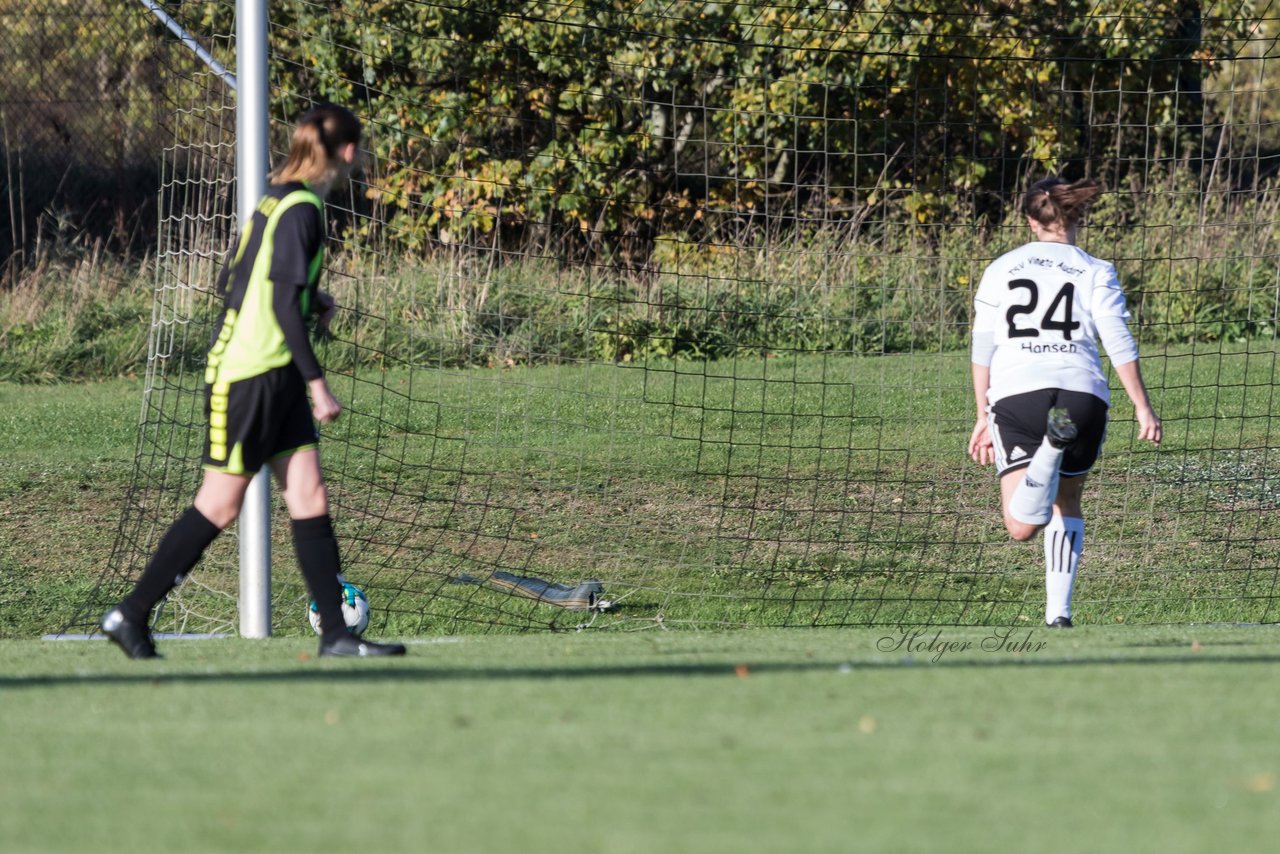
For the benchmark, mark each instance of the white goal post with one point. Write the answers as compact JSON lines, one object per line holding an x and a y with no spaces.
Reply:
{"x":252,"y":165}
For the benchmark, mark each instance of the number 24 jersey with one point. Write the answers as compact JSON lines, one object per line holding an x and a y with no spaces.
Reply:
{"x":1041,"y":305}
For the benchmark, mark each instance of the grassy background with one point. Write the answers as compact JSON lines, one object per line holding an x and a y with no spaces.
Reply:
{"x":1195,"y":265}
{"x":746,"y":491}
{"x":805,"y":490}
{"x":1101,"y":739}
{"x":67,"y":456}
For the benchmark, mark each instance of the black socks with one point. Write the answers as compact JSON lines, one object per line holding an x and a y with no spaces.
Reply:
{"x":183,"y":544}
{"x":179,"y":550}
{"x":317,"y":551}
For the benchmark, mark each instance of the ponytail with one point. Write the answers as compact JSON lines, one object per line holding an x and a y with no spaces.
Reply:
{"x":321,"y":133}
{"x":1055,"y":204}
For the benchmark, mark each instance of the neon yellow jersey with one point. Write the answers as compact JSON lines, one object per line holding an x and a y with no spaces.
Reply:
{"x":270,"y":288}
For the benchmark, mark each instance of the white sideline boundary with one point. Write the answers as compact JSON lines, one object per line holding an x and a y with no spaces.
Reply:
{"x":97,"y":636}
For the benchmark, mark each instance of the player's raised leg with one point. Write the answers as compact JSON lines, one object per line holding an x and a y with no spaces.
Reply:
{"x":1031,"y":503}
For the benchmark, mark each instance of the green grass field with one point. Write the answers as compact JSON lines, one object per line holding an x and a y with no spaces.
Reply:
{"x":1105,"y":738}
{"x":1117,"y":739}
{"x":814,"y":490}
{"x":66,"y":454}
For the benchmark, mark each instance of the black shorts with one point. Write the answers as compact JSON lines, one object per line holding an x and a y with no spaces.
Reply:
{"x":255,"y":420}
{"x":1018,"y":425}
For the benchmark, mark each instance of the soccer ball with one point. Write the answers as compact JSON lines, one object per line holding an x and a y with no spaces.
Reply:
{"x":355,"y":610}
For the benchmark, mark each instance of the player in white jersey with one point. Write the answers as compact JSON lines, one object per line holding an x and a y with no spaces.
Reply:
{"x":1038,"y":382}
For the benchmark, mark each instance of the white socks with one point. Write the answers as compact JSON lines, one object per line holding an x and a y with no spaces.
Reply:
{"x":1063,"y":543}
{"x":1032,"y":501}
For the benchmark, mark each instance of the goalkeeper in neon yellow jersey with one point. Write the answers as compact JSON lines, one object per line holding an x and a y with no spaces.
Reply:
{"x":260,"y":372}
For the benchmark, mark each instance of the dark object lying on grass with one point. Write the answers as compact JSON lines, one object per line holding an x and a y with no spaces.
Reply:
{"x":586,"y":596}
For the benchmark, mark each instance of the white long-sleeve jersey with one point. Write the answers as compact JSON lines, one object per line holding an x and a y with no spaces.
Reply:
{"x":1038,"y":314}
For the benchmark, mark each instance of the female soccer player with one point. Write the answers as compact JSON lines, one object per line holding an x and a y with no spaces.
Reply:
{"x":259,"y":372}
{"x":1038,"y":383}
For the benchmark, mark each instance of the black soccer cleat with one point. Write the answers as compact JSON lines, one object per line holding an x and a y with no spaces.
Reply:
{"x":350,"y":646}
{"x":1059,"y":623}
{"x":1060,"y":430}
{"x":133,"y":638}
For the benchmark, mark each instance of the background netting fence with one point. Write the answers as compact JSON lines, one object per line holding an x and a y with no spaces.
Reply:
{"x":82,"y":117}
{"x":675,"y":298}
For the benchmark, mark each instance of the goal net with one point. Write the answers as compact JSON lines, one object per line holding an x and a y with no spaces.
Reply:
{"x":657,"y":314}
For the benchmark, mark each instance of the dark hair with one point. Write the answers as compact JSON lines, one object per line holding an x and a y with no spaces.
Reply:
{"x":1054,"y":203}
{"x":321,"y":132}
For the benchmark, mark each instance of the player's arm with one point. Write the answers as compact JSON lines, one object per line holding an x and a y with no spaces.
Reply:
{"x":232,"y":256}
{"x":298,"y":236}
{"x":324,"y":406}
{"x":1149,"y":426}
{"x":980,"y":445}
{"x":224,"y":276}
{"x":326,"y":308}
{"x":983,"y":348}
{"x":1110,"y":317}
